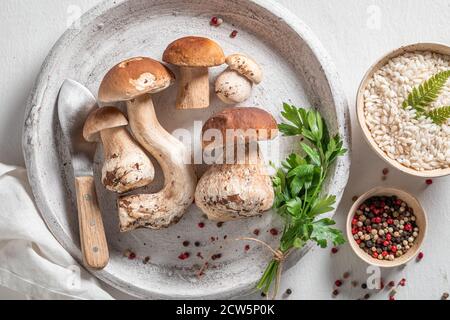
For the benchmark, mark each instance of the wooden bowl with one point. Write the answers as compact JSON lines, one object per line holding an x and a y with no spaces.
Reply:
{"x":433,"y":47}
{"x":421,"y":221}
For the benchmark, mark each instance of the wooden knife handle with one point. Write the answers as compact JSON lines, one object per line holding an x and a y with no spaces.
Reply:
{"x":92,"y":233}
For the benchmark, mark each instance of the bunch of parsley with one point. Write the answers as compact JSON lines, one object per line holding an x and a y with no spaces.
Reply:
{"x":298,"y":185}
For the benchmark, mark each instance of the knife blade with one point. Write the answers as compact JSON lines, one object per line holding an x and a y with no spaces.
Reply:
{"x":75,"y":103}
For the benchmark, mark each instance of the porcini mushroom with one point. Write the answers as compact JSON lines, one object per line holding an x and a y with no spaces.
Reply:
{"x":194,"y":55}
{"x":242,"y":188}
{"x":126,"y":166}
{"x":235,"y":84}
{"x":134,"y":81}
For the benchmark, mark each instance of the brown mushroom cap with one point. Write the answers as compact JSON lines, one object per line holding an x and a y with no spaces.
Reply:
{"x":194,"y":52}
{"x":102,"y":119}
{"x":134,"y":77}
{"x":251,"y":124}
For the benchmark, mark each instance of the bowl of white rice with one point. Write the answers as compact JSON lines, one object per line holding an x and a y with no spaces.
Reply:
{"x":410,"y":142}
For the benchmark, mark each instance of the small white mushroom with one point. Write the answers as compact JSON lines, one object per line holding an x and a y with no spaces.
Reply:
{"x":242,"y":188}
{"x":134,"y":81}
{"x":246,"y":66}
{"x":231,"y":87}
{"x":126,"y":166}
{"x":234,"y":85}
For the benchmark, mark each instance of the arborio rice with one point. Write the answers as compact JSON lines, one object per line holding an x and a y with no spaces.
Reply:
{"x":416,"y":143}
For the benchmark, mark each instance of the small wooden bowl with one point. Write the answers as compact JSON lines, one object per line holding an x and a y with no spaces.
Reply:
{"x":433,"y":47}
{"x":421,"y":221}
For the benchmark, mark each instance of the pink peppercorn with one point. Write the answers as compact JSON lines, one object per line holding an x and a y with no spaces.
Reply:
{"x":233,"y":34}
{"x":184,"y":256}
{"x":338,"y":283}
{"x":201,"y":225}
{"x":402,"y":282}
{"x":274,"y":232}
{"x":334,"y":250}
{"x":420,"y":256}
{"x":429,"y":182}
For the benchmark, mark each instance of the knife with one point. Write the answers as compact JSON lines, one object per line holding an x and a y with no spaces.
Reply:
{"x":75,"y":103}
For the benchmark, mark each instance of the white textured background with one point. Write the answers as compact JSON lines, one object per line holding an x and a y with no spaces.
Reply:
{"x":355,"y":34}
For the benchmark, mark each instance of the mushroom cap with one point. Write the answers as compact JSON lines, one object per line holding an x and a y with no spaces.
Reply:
{"x":194,"y":52}
{"x":250,"y":124}
{"x":246,"y":66}
{"x":134,"y":77}
{"x":102,"y":119}
{"x":231,"y":87}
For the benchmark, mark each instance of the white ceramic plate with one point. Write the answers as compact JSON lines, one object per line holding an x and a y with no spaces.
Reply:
{"x":296,"y":70}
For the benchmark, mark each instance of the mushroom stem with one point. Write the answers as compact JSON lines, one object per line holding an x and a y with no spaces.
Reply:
{"x":126,"y":166}
{"x":240,"y":188}
{"x":193,"y":92}
{"x":165,"y":207}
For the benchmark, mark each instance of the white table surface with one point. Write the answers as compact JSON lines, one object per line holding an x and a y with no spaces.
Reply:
{"x":355,"y":34}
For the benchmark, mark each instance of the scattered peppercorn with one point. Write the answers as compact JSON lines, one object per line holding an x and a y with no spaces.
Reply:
{"x":334,"y":250}
{"x":186,"y":243}
{"x":184,"y":256}
{"x":366,"y":296}
{"x":429,"y":182}
{"x":346,"y":275}
{"x":215,"y":21}
{"x":420,"y":256}
{"x":146,"y":260}
{"x":274,"y":232}
{"x":247,"y":247}
{"x":216,"y":256}
{"x":256,"y":232}
{"x":288,"y":292}
{"x":219,"y":224}
{"x":197,"y":243}
{"x":445,"y":296}
{"x":364,"y":286}
{"x":385,"y":171}
{"x":263,"y":294}
{"x":338,"y":283}
{"x":355,"y":198}
{"x":233,"y":34}
{"x":335,"y":292}
{"x":402,"y":282}
{"x":391,"y":284}
{"x":130,"y":254}
{"x":201,"y":225}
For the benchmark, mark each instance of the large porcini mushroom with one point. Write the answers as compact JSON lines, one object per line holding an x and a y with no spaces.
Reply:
{"x":194,"y":55}
{"x":126,"y":166}
{"x":242,"y":188}
{"x":234,"y":85}
{"x":134,"y":81}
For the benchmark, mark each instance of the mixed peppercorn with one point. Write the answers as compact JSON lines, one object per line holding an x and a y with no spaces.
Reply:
{"x":385,"y":227}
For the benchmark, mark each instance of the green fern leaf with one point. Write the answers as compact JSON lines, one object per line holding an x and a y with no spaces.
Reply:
{"x":422,"y":96}
{"x":439,"y":115}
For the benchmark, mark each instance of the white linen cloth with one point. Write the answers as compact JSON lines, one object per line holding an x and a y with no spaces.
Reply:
{"x":32,"y":261}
